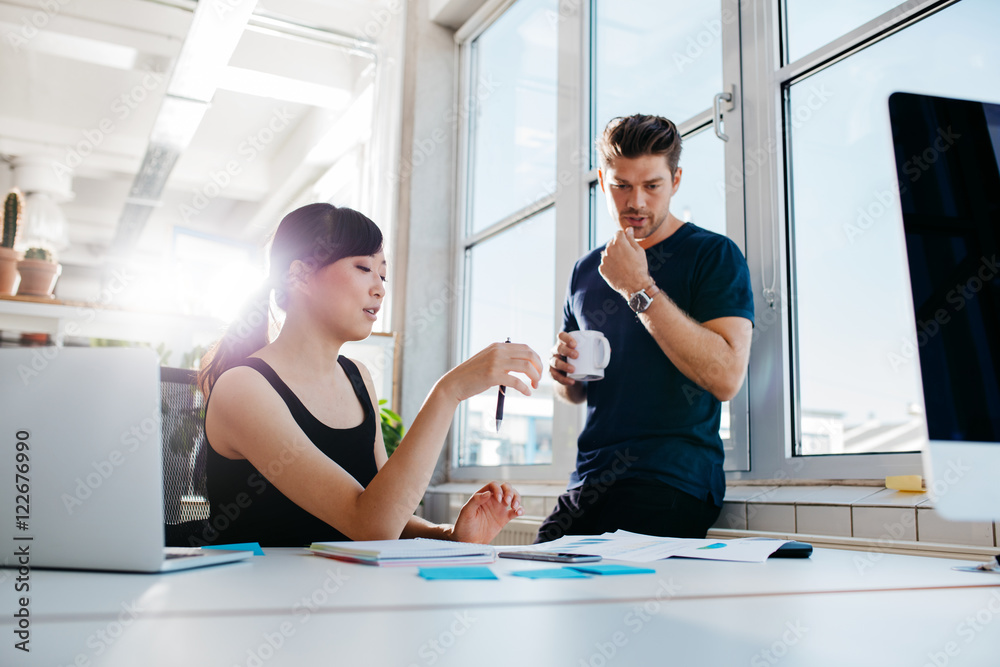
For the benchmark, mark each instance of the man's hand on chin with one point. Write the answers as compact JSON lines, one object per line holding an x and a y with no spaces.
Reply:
{"x":623,"y":264}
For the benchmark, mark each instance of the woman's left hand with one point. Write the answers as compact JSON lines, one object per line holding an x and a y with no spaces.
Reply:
{"x":486,"y":512}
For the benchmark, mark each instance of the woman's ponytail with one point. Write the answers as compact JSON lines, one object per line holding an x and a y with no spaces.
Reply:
{"x":245,"y":335}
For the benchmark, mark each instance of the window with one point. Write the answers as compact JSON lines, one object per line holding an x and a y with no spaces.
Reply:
{"x":508,"y":242}
{"x":662,"y":58}
{"x":804,"y":185}
{"x":511,"y":284}
{"x":858,"y":380}
{"x":512,"y":152}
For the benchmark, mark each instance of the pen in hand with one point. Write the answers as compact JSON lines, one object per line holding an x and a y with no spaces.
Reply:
{"x":500,"y":394}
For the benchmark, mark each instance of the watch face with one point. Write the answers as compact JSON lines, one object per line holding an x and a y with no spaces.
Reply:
{"x":639,"y":301}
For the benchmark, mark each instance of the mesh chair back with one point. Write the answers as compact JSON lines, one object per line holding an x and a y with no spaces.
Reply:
{"x":184,"y":447}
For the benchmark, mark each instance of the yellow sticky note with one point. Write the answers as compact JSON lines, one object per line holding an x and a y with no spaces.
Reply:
{"x":905,"y":483}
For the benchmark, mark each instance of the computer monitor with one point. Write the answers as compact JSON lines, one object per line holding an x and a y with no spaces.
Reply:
{"x":948,"y":167}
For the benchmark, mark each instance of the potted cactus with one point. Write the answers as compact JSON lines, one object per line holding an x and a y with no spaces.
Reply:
{"x":39,"y":272}
{"x":12,"y":208}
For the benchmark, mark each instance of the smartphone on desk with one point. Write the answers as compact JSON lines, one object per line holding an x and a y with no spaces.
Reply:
{"x":550,"y":556}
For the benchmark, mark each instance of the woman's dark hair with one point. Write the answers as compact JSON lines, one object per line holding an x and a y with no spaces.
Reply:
{"x":317,"y":235}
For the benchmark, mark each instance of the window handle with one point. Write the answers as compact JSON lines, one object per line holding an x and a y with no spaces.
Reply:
{"x":717,"y":110}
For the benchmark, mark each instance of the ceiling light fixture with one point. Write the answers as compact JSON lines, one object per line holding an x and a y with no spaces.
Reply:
{"x":215,"y":31}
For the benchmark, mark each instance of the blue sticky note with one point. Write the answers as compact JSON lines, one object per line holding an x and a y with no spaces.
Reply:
{"x":469,"y":572}
{"x":242,"y":546}
{"x":612,"y":568}
{"x":553,"y":573}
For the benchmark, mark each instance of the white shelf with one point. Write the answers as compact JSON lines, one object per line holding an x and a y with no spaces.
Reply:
{"x":180,"y":333}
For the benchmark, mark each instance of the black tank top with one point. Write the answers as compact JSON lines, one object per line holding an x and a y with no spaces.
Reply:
{"x":246,"y":507}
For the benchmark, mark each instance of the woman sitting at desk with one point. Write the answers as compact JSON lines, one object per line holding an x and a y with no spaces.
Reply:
{"x":296,"y":452}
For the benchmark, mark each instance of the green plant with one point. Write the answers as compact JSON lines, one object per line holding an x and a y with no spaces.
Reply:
{"x":392,"y":427}
{"x":12,"y":208}
{"x":192,"y":358}
{"x":42,"y":254}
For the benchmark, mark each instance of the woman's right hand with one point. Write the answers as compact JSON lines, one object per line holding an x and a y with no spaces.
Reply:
{"x":491,"y":367}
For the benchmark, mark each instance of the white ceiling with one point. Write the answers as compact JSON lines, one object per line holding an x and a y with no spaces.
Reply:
{"x":86,"y":87}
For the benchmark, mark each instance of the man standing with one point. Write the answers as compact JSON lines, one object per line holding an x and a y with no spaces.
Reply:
{"x":675,"y":303}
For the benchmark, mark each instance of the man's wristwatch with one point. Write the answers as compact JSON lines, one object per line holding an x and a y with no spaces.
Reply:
{"x":640,"y":301}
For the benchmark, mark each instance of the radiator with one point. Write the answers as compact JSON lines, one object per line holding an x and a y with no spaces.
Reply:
{"x":518,"y":531}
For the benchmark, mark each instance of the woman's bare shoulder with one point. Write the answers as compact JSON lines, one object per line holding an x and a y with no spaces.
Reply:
{"x":240,"y":383}
{"x":241,"y":393}
{"x":242,"y":408}
{"x":365,"y":375}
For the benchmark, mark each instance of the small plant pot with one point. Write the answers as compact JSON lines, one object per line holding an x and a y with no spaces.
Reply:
{"x":8,"y":271}
{"x":38,"y":277}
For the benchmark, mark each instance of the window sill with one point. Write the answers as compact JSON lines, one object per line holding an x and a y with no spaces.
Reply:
{"x":848,"y":517}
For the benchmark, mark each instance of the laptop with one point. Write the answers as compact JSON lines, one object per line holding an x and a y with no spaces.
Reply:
{"x":81,"y":462}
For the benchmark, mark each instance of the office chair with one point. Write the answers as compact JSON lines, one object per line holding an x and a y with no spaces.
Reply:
{"x":185,"y":502}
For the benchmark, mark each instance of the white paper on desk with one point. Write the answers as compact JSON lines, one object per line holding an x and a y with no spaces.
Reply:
{"x":744,"y":549}
{"x":638,"y":548}
{"x":619,"y":545}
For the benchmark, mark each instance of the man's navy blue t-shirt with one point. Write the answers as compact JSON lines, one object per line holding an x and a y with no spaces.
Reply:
{"x":645,"y":419}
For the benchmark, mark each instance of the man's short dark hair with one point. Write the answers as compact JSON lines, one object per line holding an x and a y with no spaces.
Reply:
{"x":638,"y":135}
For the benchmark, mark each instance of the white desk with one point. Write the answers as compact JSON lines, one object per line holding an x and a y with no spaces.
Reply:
{"x":290,"y":608}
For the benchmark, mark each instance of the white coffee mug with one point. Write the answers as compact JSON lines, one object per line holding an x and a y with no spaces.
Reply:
{"x":595,"y":354}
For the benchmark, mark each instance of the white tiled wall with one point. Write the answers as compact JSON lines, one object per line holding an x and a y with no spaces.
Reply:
{"x":934,"y":528}
{"x":848,"y":511}
{"x":824,"y":520}
{"x":839,"y":511}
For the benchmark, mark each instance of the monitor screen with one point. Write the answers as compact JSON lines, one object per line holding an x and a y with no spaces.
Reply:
{"x":948,"y":167}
